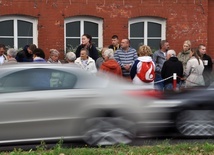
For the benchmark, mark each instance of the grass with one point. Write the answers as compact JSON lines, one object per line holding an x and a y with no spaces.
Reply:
{"x":161,"y":149}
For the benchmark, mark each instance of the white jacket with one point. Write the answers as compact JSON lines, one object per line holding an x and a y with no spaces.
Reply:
{"x":194,"y":72}
{"x":91,"y":66}
{"x":136,"y":80}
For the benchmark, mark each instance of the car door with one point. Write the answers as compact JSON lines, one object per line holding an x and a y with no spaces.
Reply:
{"x":31,"y":110}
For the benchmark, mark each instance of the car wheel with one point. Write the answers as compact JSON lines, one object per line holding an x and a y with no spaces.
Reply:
{"x":108,"y":131}
{"x":196,"y":122}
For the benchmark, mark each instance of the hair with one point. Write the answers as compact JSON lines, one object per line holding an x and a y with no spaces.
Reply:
{"x":32,"y":47}
{"x":172,"y":53}
{"x":89,"y":37}
{"x":70,"y":56}
{"x":109,"y":53}
{"x":200,"y":45}
{"x":104,"y":49}
{"x":12,"y":52}
{"x":162,"y":42}
{"x":188,"y":42}
{"x":197,"y":54}
{"x":144,"y":50}
{"x":114,"y":37}
{"x":127,"y":40}
{"x":54,"y":52}
{"x":39,"y":52}
{"x":84,"y":49}
{"x":3,"y":46}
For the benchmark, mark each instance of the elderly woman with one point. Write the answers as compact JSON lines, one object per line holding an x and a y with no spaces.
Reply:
{"x":70,"y":57}
{"x":85,"y":62}
{"x":54,"y":56}
{"x":11,"y":56}
{"x":110,"y":65}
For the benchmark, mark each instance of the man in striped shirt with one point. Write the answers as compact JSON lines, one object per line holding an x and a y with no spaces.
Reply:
{"x":125,"y":56}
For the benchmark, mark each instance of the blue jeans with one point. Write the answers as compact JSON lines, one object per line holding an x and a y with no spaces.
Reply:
{"x":169,"y":86}
{"x":158,"y":85}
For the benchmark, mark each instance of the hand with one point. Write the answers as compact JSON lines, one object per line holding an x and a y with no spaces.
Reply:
{"x":127,"y":67}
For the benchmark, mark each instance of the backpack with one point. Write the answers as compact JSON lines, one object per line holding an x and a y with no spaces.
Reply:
{"x":147,"y":72}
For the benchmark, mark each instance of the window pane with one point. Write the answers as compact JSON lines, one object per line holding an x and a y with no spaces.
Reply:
{"x":137,"y":30}
{"x":91,"y":28}
{"x":154,"y":44}
{"x":7,"y":42}
{"x":25,"y":28}
{"x":135,"y":43}
{"x":72,"y":44}
{"x":95,"y":42}
{"x":73,"y":29}
{"x":6,"y":28}
{"x":154,"y":30}
{"x":24,"y":41}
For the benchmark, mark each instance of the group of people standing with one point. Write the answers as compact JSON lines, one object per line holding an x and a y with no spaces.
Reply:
{"x":192,"y":66}
{"x":30,"y":53}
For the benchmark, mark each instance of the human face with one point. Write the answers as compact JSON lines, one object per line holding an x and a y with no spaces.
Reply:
{"x":202,"y":50}
{"x":85,"y":40}
{"x":55,"y":58}
{"x":83,"y":55}
{"x":124,"y":44}
{"x":186,"y":47}
{"x":114,"y":41}
{"x":165,"y":46}
{"x":2,"y":50}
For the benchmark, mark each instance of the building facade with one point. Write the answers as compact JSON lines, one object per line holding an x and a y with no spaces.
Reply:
{"x":59,"y":24}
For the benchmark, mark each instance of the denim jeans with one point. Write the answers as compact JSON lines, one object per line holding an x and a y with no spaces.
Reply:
{"x":158,"y":85}
{"x":169,"y":86}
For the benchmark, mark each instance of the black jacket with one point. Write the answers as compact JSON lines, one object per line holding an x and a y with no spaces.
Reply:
{"x":93,"y":53}
{"x":207,"y":69}
{"x":173,"y":65}
{"x":24,"y":56}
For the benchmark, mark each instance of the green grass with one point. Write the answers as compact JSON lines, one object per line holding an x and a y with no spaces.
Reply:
{"x":160,"y":149}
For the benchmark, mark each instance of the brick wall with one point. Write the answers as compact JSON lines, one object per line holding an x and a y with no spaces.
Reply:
{"x":186,"y":19}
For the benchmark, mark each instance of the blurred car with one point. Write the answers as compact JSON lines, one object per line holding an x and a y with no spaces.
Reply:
{"x":47,"y":102}
{"x":185,"y":114}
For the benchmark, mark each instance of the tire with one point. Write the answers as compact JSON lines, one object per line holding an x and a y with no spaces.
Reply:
{"x":196,"y":122}
{"x":102,"y":131}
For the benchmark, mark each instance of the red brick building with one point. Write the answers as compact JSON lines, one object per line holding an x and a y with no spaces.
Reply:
{"x":60,"y":23}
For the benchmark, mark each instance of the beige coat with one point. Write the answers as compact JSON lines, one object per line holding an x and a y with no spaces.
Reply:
{"x":194,"y":72}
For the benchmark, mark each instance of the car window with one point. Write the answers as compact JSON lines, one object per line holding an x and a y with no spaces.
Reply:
{"x":37,"y":79}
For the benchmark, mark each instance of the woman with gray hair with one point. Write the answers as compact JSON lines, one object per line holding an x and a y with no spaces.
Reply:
{"x":54,"y":56}
{"x":70,"y":57}
{"x":110,"y":65}
{"x":11,"y":56}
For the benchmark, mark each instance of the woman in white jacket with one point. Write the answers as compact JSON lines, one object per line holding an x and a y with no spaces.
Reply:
{"x":144,"y":53}
{"x":86,"y":62}
{"x":194,"y":70}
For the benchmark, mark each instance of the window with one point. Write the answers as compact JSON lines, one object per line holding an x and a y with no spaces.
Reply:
{"x":147,"y":31}
{"x":76,"y":27}
{"x":17,"y":32}
{"x":37,"y":79}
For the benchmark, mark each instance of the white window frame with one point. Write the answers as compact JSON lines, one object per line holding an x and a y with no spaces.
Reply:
{"x":160,"y":21}
{"x":98,"y":21}
{"x":34,"y":22}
